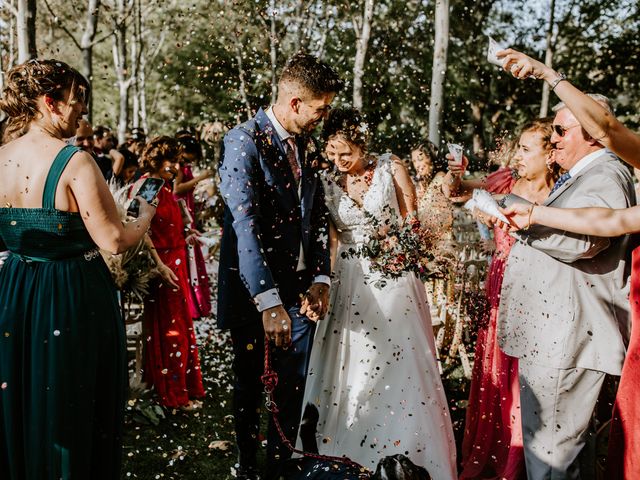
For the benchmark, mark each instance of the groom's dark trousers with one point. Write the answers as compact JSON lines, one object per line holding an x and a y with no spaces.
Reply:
{"x":290,"y":365}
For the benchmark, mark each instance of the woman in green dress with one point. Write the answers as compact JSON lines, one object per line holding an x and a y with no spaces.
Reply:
{"x":62,"y":341}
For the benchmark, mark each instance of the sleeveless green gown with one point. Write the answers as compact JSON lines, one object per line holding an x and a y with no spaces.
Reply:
{"x":62,"y":347}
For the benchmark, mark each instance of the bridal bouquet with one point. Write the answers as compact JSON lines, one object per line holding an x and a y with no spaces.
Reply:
{"x":405,"y":246}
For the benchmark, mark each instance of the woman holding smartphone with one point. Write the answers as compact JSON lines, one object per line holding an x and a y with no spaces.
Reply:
{"x":172,"y":365}
{"x":63,"y":374}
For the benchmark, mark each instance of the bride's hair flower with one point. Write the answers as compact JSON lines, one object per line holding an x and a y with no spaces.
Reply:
{"x":348,"y":123}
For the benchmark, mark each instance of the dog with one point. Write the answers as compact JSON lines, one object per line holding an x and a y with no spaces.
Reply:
{"x":393,"y":467}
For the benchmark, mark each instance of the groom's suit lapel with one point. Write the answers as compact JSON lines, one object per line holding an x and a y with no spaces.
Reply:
{"x":275,"y":154}
{"x":308,"y":176}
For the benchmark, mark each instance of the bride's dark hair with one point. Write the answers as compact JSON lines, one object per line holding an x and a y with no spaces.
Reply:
{"x":348,"y":123}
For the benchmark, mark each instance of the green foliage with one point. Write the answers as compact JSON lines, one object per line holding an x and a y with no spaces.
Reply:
{"x":193,"y":51}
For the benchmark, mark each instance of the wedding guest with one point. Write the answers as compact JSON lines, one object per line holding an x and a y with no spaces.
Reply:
{"x":568,"y":330}
{"x":373,"y":374}
{"x":107,"y":156}
{"x":434,"y":210}
{"x":129,"y":167}
{"x":183,"y":188}
{"x":136,"y":141}
{"x":492,"y":445}
{"x":172,"y":365}
{"x":598,"y":123}
{"x":274,"y":257}
{"x":84,"y":137}
{"x":63,"y":374}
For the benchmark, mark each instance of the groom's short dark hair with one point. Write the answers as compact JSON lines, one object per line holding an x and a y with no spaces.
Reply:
{"x":311,"y":74}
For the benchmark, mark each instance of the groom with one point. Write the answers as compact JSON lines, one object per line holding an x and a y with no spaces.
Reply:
{"x":274,"y":258}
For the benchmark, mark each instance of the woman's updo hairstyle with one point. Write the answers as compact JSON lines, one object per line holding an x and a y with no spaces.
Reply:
{"x":349,"y":124}
{"x":26,"y":82}
{"x":156,"y":151}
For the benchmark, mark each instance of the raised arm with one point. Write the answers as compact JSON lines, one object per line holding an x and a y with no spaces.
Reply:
{"x":181,"y":186}
{"x":98,"y":209}
{"x":453,"y":186}
{"x":595,"y":119}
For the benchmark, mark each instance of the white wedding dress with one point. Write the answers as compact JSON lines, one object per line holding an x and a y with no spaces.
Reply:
{"x":373,"y":373}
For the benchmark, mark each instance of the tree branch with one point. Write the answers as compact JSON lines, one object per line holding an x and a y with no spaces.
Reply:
{"x":101,"y":39}
{"x":13,"y":10}
{"x":64,"y":29}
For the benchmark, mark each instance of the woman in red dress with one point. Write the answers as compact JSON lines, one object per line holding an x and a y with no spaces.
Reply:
{"x":492,"y":445}
{"x":172,"y":365}
{"x":183,"y":187}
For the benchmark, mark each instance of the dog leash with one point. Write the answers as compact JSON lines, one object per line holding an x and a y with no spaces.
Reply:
{"x":270,"y":381}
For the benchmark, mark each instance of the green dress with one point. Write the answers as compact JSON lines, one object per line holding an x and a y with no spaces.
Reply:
{"x":62,"y":347}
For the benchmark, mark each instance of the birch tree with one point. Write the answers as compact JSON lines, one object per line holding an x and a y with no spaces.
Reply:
{"x":87,"y":40}
{"x":362,"y":27}
{"x":125,"y":77}
{"x":548,"y":58}
{"x":24,"y":12}
{"x":439,"y":70}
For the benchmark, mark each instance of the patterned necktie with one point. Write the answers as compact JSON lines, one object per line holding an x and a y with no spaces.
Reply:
{"x":291,"y":157}
{"x":563,"y":178}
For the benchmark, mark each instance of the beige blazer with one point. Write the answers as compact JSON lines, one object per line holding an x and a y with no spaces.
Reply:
{"x":564,"y":300}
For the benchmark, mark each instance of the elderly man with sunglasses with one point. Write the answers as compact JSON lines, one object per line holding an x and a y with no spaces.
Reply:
{"x":563,"y":309}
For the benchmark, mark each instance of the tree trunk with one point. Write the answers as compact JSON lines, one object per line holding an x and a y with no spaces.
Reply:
{"x":548,"y":60}
{"x":243,"y":82}
{"x":120,"y":62}
{"x":273,"y":50}
{"x":439,"y":69}
{"x":363,"y":33}
{"x":136,"y":55}
{"x":86,"y":46}
{"x":12,"y":38}
{"x":477,"y":113}
{"x":26,"y":27}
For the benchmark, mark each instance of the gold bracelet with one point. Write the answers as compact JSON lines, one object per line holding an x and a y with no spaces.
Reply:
{"x":529,"y":219}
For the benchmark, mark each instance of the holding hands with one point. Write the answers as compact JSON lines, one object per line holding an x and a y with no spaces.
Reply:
{"x":315,"y":302}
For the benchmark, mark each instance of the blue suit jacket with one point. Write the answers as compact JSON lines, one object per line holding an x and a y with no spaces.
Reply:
{"x":266,"y":221}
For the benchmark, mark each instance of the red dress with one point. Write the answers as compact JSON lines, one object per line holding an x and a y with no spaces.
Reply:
{"x":172,"y":365}
{"x":200,"y":305}
{"x":492,"y":445}
{"x":624,"y":441}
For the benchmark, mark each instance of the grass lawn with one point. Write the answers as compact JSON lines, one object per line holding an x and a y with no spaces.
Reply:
{"x":186,"y":445}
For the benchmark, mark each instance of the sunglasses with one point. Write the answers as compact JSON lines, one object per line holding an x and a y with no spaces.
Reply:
{"x":561,"y":131}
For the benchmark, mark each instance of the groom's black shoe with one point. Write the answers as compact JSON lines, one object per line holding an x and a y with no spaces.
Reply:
{"x":247,"y":473}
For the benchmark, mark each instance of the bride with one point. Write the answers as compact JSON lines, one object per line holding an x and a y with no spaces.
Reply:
{"x":373,"y":374}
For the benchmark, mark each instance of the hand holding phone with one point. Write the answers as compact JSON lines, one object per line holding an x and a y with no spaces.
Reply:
{"x":147,"y":191}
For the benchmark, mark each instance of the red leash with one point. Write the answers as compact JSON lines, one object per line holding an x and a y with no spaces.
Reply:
{"x":270,"y":381}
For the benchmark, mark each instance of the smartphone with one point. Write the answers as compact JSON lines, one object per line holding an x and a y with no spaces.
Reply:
{"x":148,"y":190}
